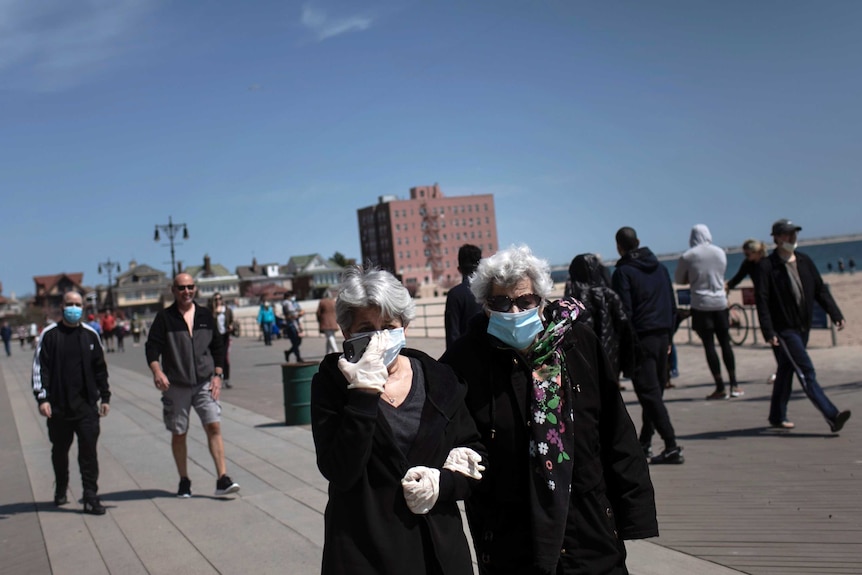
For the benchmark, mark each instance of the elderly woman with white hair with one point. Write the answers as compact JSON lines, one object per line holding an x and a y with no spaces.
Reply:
{"x":567,"y":480}
{"x":395,"y":440}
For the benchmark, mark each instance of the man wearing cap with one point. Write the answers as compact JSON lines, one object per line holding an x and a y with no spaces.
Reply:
{"x":787,"y":287}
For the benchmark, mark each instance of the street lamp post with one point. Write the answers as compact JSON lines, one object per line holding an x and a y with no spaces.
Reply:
{"x":108,"y":267}
{"x":172,"y":229}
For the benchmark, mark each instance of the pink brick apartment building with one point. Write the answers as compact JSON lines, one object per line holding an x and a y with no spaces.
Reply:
{"x":418,"y":238}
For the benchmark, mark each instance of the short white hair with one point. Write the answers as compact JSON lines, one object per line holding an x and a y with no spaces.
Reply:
{"x":508,"y":267}
{"x":362,"y":288}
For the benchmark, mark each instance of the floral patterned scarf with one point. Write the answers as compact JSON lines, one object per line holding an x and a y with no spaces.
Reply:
{"x":551,"y":432}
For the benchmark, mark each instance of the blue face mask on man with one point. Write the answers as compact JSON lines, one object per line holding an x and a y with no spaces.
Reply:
{"x":517,"y":330}
{"x":72,"y":313}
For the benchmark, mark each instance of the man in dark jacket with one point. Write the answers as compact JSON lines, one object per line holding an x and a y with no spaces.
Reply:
{"x":186,"y":339}
{"x":788,"y":284}
{"x":645,"y":288}
{"x":461,"y":304}
{"x":69,"y":378}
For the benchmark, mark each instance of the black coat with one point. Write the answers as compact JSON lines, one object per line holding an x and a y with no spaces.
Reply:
{"x":644,"y":287}
{"x":776,"y":308}
{"x":612,"y":497}
{"x":48,"y":380}
{"x":368,"y":526}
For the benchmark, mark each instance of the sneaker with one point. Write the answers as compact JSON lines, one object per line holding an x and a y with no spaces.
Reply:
{"x":185,"y":489}
{"x":647,"y":451}
{"x":718,"y":395}
{"x":93,"y":506}
{"x":674,"y":373}
{"x":60,"y":498}
{"x":838,"y":423}
{"x":226,"y":486}
{"x":668,"y":456}
{"x":771,"y":379}
{"x":783,"y":425}
{"x":736,"y":392}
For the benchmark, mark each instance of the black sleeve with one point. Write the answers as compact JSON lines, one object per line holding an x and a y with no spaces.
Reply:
{"x":343,"y":423}
{"x":762,"y":293}
{"x":100,"y":370}
{"x":630,"y":489}
{"x":157,"y":338}
{"x":745,"y":268}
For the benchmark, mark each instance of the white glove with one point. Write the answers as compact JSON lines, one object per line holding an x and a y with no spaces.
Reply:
{"x":369,"y":372}
{"x":465,"y":461}
{"x":421,"y":488}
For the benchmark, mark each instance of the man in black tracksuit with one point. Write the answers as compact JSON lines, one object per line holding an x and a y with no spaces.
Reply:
{"x":69,"y":378}
{"x":645,"y":288}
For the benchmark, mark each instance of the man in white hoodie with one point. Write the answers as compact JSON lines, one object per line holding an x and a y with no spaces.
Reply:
{"x":703,"y":266}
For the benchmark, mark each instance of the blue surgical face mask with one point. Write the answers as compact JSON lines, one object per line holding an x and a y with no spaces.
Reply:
{"x":517,"y":330}
{"x":72,"y":313}
{"x":397,"y":342}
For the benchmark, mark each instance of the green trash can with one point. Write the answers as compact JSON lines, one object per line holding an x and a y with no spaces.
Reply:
{"x":296,"y":378}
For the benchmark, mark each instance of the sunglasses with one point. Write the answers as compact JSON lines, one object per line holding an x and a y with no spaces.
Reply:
{"x":504,"y":303}
{"x":186,"y":288}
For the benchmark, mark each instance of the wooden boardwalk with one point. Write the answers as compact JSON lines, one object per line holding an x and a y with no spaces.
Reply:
{"x":747,"y":499}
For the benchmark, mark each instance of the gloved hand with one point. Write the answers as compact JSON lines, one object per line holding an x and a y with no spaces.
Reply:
{"x":465,"y":461}
{"x":421,"y":488}
{"x":370,"y":371}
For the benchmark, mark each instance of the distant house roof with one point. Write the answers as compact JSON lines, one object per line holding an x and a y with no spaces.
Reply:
{"x":217,"y":270}
{"x":311,"y":264}
{"x":257,"y":270}
{"x":48,"y":283}
{"x":139,"y":270}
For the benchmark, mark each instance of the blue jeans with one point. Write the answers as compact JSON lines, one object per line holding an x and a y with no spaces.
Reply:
{"x":267,"y":332}
{"x":796,"y":342}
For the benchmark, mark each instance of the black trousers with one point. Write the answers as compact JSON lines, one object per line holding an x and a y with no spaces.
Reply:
{"x":648,"y":381}
{"x":62,"y":432}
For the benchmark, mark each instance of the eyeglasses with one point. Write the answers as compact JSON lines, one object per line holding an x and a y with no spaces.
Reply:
{"x":186,"y":288}
{"x":504,"y":303}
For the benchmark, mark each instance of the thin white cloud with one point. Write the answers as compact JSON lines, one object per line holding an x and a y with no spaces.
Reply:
{"x":324,"y":26}
{"x":54,"y":44}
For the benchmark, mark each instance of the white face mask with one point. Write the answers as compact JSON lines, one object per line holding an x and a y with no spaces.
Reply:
{"x":789,"y":246}
{"x":397,"y":342}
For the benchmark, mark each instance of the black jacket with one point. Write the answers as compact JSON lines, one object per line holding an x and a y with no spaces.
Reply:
{"x":187,"y":359}
{"x":461,"y":306}
{"x":746,"y":268}
{"x":47,"y":379}
{"x":646,"y":291}
{"x":776,"y":306}
{"x":612,"y":497}
{"x":368,"y":526}
{"x":606,"y":314}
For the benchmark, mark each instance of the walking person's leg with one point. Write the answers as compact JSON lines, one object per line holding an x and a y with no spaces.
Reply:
{"x":226,"y":380}
{"x":61,"y":435}
{"x":796,"y":344}
{"x":705,"y":330}
{"x":722,"y":334}
{"x":648,"y":383}
{"x":87,"y":431}
{"x":209,"y":412}
{"x":781,"y":390}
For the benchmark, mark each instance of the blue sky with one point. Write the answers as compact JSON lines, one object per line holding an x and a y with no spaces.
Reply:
{"x":265,"y":125}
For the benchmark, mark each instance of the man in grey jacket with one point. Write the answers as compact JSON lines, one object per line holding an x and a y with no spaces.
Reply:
{"x":185,"y":337}
{"x":703,"y":266}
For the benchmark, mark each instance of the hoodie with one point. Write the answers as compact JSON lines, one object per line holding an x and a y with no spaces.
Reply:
{"x":703,"y":266}
{"x":644,"y":286}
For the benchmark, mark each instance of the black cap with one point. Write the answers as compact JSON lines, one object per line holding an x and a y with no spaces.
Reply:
{"x":784,"y":227}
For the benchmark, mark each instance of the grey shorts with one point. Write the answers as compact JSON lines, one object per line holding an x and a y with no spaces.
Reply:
{"x":178,"y":400}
